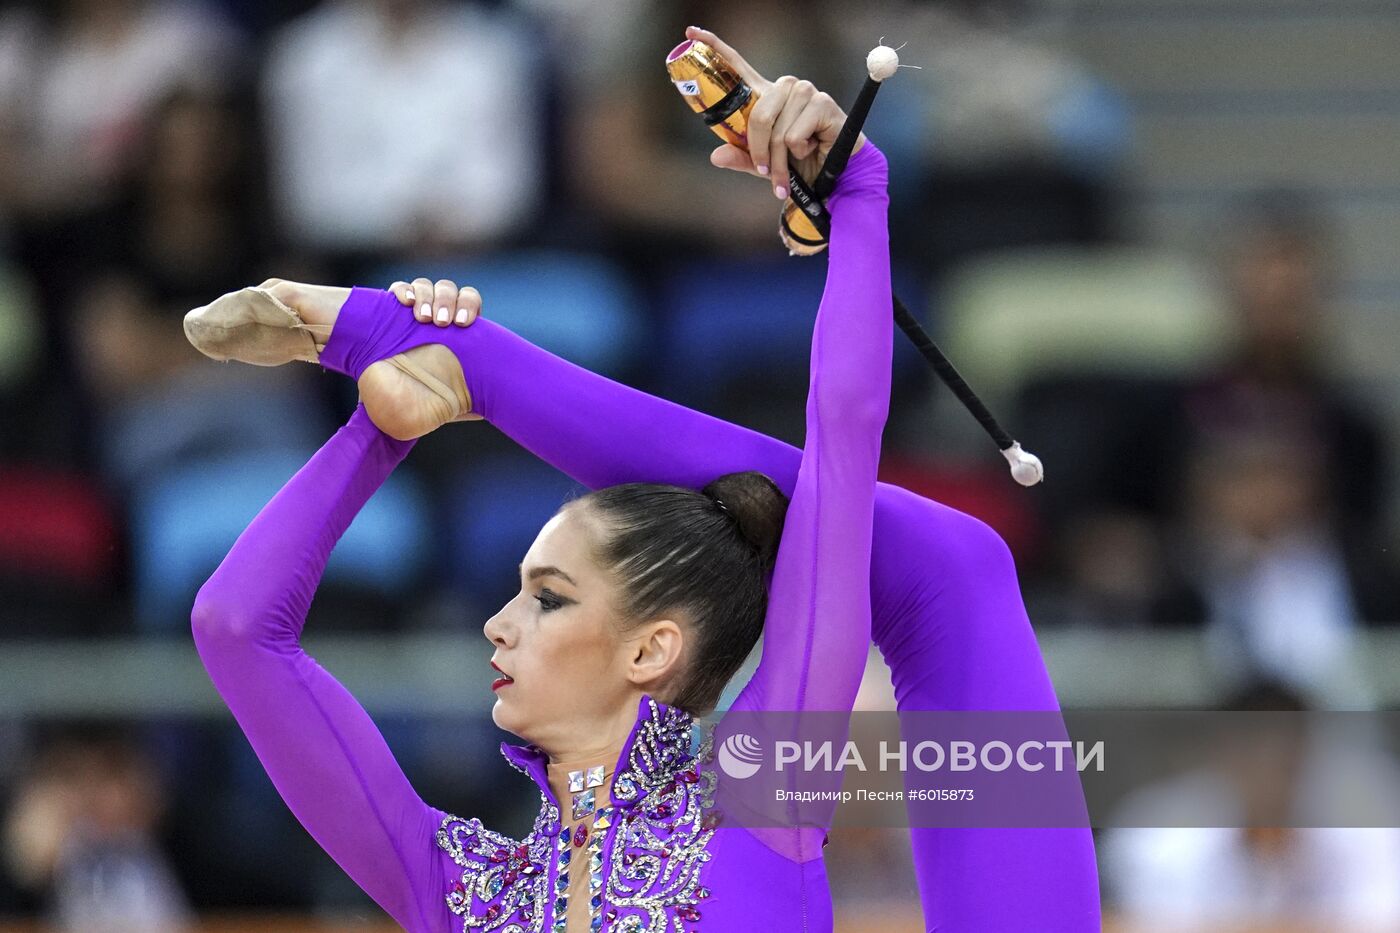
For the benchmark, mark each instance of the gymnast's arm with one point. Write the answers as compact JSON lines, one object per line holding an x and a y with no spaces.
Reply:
{"x":817,"y":630}
{"x":819,"y":605}
{"x":819,"y":615}
{"x":319,"y":747}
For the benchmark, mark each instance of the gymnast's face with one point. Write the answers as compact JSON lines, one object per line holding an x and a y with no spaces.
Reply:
{"x":574,"y":668}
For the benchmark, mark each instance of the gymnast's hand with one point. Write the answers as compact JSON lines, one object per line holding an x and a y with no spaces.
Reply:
{"x":792,"y":127}
{"x":443,"y":302}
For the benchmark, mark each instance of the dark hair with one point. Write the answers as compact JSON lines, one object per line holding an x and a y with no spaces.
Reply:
{"x":708,"y":554}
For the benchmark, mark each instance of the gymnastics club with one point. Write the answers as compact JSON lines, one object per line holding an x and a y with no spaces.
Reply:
{"x":723,"y":100}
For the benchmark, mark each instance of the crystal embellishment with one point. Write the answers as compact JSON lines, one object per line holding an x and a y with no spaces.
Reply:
{"x":624,"y":788}
{"x":645,"y":851}
{"x":595,"y":882}
{"x":502,"y":886}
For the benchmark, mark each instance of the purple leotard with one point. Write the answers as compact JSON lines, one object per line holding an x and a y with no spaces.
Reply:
{"x":665,"y":865}
{"x":946,"y":607}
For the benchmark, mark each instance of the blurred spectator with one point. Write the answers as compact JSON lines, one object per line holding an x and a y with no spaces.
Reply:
{"x":188,"y":223}
{"x":1279,"y":269}
{"x":405,"y":124}
{"x":80,"y":83}
{"x":189,"y":226}
{"x":1251,"y":498}
{"x":1269,"y":566}
{"x":104,"y":149}
{"x":1256,"y":866}
{"x":83,"y":828}
{"x":193,"y":219}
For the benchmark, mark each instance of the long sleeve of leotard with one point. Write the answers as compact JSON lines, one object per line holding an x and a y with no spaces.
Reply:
{"x":816,"y":633}
{"x":326,"y":758}
{"x":817,"y":630}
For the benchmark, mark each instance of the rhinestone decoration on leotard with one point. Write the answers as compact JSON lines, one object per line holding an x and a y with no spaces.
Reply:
{"x":503,"y":882}
{"x":645,"y":848}
{"x":582,"y":787}
{"x":595,"y":883}
{"x":662,"y":837}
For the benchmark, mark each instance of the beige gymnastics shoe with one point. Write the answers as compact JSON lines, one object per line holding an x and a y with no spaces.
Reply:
{"x":252,"y":325}
{"x":406,"y":396}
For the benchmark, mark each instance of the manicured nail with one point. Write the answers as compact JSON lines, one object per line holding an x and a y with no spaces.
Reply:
{"x":781,"y":193}
{"x":443,"y":315}
{"x":461,"y":315}
{"x":763,"y":170}
{"x":425,"y":311}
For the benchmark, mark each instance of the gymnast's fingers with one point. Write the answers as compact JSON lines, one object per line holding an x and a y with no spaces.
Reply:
{"x":746,"y":71}
{"x":733,"y":157}
{"x":423,"y":300}
{"x":468,"y":306}
{"x":830,"y":120}
{"x":761,"y":120}
{"x":808,"y":130}
{"x":445,"y":299}
{"x":403,"y":292}
{"x":778,"y":145}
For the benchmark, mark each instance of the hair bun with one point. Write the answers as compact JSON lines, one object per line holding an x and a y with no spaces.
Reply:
{"x":757,"y":505}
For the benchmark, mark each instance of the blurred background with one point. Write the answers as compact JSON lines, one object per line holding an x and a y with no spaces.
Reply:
{"x":1161,"y":237}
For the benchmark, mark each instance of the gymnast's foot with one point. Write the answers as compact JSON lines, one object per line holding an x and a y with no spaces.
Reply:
{"x":407,"y":395}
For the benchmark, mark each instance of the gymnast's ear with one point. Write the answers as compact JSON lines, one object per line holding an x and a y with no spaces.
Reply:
{"x":654,"y":652}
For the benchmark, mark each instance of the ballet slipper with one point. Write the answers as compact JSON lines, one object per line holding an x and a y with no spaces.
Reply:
{"x":252,"y":325}
{"x":407,"y":395}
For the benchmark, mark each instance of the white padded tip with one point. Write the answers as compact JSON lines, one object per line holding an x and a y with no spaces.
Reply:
{"x":1026,"y":467}
{"x":882,"y":62}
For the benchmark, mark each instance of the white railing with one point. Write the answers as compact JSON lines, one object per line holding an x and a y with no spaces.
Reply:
{"x":445,"y":675}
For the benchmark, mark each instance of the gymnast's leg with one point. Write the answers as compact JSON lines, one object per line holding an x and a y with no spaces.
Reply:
{"x":957,"y":637}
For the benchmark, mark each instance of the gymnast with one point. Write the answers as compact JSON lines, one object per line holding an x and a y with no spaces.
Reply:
{"x":638,"y":603}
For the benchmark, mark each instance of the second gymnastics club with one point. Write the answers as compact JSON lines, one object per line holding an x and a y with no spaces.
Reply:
{"x":724,"y":101}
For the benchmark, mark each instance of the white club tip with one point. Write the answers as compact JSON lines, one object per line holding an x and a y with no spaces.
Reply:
{"x":1026,"y":468}
{"x":882,"y":62}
